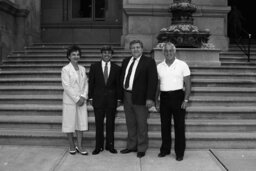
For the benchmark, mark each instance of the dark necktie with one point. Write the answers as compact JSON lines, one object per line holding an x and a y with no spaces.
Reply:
{"x":127,"y":81}
{"x":106,"y":72}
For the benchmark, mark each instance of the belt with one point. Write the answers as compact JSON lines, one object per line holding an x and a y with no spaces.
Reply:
{"x":128,"y":91}
{"x":169,"y":92}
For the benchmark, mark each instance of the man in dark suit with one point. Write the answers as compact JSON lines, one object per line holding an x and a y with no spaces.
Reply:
{"x":105,"y":95}
{"x":139,"y":80}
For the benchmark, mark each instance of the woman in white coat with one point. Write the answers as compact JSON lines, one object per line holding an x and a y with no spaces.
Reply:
{"x":74,"y":113}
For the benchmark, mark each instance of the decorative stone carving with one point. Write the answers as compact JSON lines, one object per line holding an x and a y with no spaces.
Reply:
{"x":182,"y":32}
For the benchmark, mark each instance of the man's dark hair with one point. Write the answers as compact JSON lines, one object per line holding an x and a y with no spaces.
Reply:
{"x":106,"y":48}
{"x":73,"y":48}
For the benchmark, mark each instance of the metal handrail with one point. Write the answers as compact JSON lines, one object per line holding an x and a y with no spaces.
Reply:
{"x":245,"y":48}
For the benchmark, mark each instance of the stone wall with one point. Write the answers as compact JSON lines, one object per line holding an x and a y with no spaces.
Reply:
{"x":145,"y":18}
{"x":33,"y":20}
{"x":19,"y":25}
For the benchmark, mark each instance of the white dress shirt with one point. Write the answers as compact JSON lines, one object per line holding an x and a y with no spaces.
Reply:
{"x":171,"y":77}
{"x":133,"y":72}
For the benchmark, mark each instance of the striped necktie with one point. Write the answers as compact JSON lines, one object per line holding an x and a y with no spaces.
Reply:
{"x":106,"y":72}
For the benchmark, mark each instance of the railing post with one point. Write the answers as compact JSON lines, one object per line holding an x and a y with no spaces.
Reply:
{"x":1,"y":54}
{"x":249,"y":47}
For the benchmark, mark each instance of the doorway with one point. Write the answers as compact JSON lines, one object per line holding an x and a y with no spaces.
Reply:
{"x":81,"y":21}
{"x":240,"y":20}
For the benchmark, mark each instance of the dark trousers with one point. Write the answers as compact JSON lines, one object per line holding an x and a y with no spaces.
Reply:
{"x":100,"y":114}
{"x":136,"y":122}
{"x":170,"y":105}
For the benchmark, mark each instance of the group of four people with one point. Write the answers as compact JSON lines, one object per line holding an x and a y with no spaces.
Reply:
{"x":137,"y":85}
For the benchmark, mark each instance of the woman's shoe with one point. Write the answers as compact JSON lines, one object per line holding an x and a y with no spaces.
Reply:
{"x":72,"y":151}
{"x":81,"y":152}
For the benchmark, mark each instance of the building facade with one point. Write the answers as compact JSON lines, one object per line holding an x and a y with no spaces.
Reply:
{"x":106,"y":21}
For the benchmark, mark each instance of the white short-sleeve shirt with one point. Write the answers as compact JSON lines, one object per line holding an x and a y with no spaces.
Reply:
{"x":171,"y":77}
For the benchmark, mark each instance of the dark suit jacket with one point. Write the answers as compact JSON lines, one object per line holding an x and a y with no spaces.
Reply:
{"x":145,"y":80}
{"x":104,"y":95}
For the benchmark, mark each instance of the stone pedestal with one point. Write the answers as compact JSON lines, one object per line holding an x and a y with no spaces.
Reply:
{"x":192,"y":56}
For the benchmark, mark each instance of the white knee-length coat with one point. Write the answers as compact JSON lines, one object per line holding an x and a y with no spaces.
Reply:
{"x":75,"y":84}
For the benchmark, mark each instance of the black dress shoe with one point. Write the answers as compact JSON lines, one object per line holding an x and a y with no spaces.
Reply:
{"x":97,"y":151}
{"x":111,"y":150}
{"x":125,"y":151}
{"x":179,"y":158}
{"x":163,"y":154}
{"x":140,"y":154}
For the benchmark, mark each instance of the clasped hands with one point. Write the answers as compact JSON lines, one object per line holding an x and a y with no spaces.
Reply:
{"x":81,"y":101}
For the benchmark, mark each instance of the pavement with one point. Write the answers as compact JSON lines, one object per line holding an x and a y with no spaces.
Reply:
{"x":41,"y":158}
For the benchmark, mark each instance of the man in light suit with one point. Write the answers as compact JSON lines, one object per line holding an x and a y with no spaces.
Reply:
{"x":139,"y":81}
{"x":105,"y":95}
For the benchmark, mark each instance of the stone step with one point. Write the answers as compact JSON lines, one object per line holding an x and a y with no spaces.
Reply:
{"x":234,"y":45}
{"x":202,"y":140}
{"x":31,"y":90}
{"x":47,"y":67}
{"x":57,"y":90}
{"x":195,"y":112}
{"x":30,"y":74}
{"x":52,"y":62}
{"x":232,"y":112}
{"x":31,"y":99}
{"x":221,"y":101}
{"x":221,"y":111}
{"x":24,"y":64}
{"x":91,"y":54}
{"x":237,"y":49}
{"x":223,"y":91}
{"x":80,"y":44}
{"x":228,"y":82}
{"x":223,"y":75}
{"x":55,"y":81}
{"x":38,"y":66}
{"x":236,"y":59}
{"x":30,"y":81}
{"x":56,"y":73}
{"x":50,"y":56}
{"x":193,"y":100}
{"x":225,"y":68}
{"x":45,"y":51}
{"x":65,"y":46}
{"x":245,"y":63}
{"x":236,"y":53}
{"x":192,"y":125}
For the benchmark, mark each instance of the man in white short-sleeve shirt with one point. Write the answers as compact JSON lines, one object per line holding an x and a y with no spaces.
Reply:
{"x":173,"y":74}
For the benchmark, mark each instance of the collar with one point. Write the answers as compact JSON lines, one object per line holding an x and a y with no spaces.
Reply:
{"x":137,"y":59}
{"x":174,"y":62}
{"x":103,"y":63}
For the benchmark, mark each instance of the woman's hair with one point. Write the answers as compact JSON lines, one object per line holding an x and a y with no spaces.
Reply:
{"x":73,"y":48}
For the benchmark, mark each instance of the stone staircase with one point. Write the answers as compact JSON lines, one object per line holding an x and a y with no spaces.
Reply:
{"x":221,"y":113}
